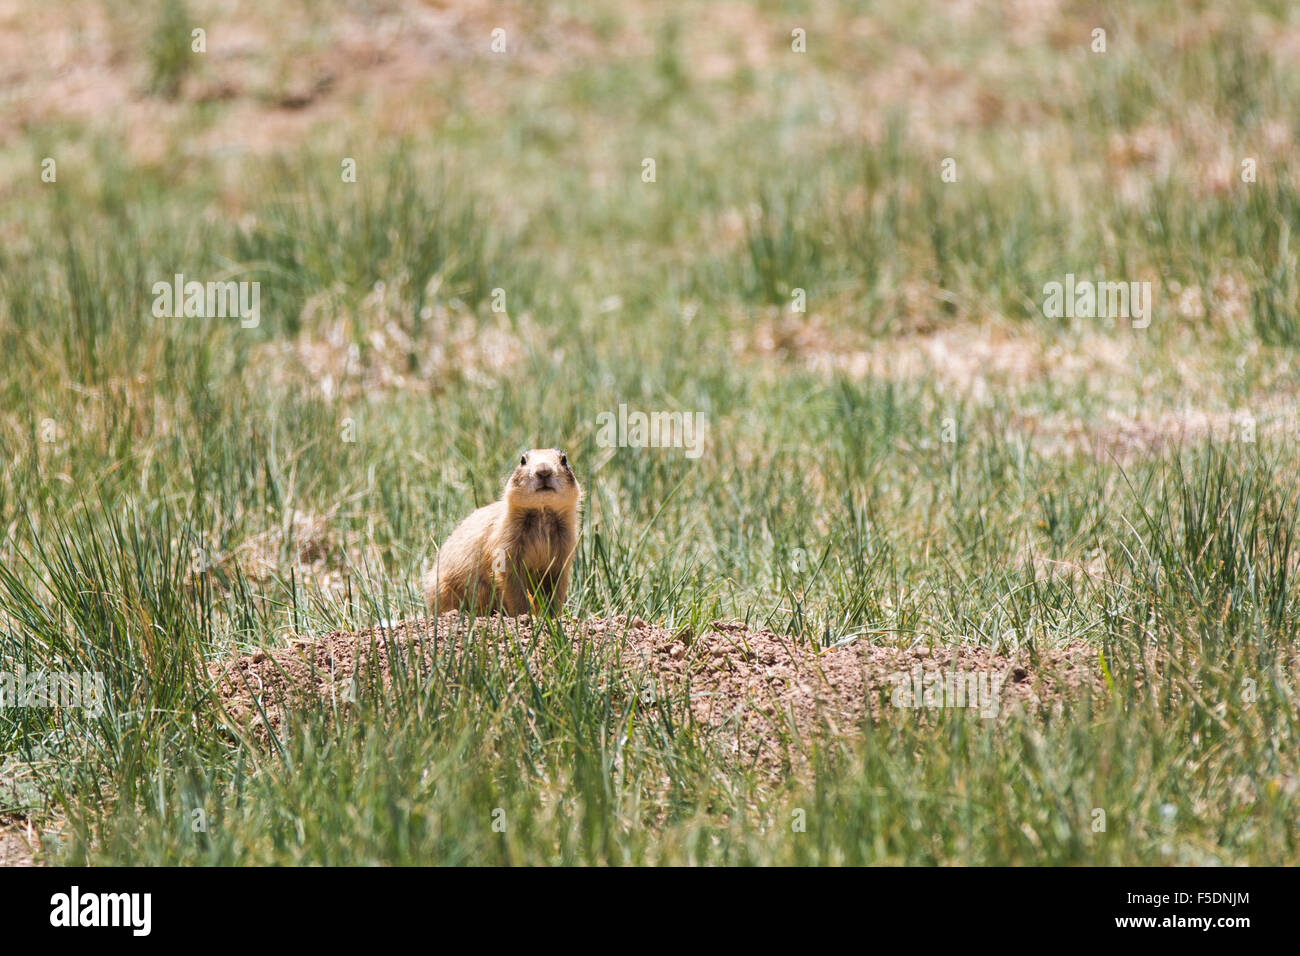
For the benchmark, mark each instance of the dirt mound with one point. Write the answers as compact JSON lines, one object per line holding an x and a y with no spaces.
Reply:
{"x":754,"y":691}
{"x":14,"y":849}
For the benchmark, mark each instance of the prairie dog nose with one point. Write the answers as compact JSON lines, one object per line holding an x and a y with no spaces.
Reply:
{"x":543,"y":470}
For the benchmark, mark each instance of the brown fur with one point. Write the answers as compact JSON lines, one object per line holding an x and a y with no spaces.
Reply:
{"x":514,"y":554}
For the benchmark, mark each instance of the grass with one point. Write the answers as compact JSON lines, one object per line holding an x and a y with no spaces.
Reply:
{"x":177,"y":491}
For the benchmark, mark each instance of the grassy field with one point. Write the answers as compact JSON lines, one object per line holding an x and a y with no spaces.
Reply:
{"x":840,"y":262}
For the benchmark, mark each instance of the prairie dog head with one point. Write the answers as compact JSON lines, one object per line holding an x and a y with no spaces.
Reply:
{"x":543,"y":479}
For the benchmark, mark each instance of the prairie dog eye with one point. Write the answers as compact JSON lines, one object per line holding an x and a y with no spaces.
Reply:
{"x":564,"y":461}
{"x":523,"y":459}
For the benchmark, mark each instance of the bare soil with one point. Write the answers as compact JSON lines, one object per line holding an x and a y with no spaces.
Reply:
{"x":14,"y":849}
{"x":759,"y":695}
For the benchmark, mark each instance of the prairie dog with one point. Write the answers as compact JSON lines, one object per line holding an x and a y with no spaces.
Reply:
{"x":514,"y":550}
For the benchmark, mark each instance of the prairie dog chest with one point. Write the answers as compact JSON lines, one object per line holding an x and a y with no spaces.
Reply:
{"x":543,"y":540}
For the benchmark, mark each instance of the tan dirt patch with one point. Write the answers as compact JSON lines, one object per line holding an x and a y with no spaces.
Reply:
{"x":748,"y":690}
{"x":276,"y":70}
{"x":453,"y":347}
{"x":15,"y":850}
{"x":316,"y":547}
{"x":973,"y":360}
{"x":309,"y":539}
{"x":1128,"y":437}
